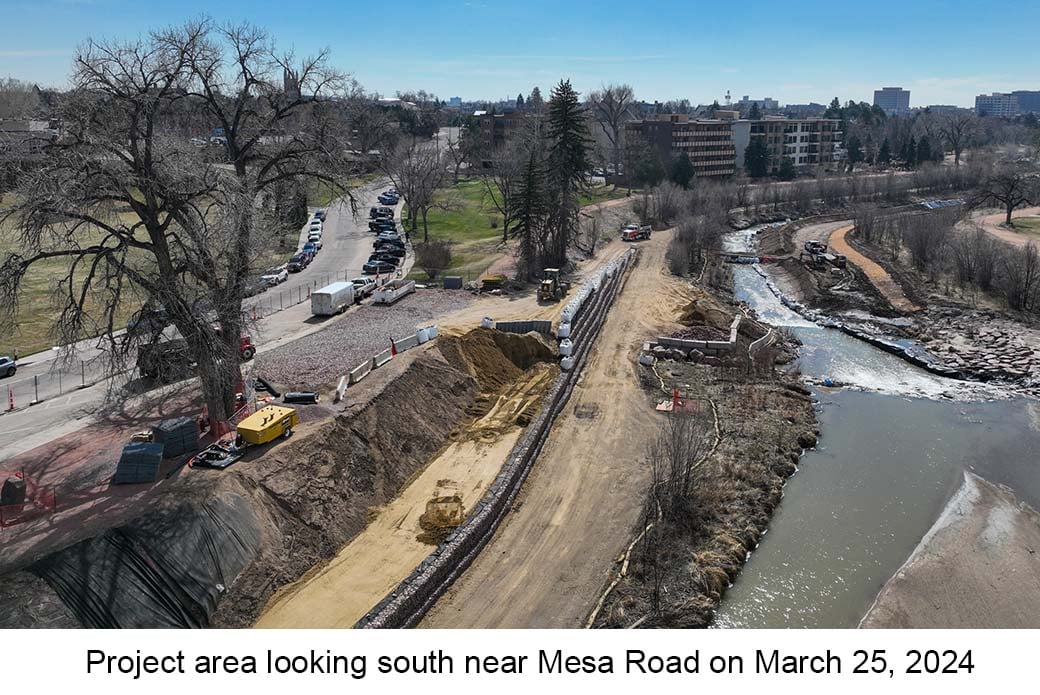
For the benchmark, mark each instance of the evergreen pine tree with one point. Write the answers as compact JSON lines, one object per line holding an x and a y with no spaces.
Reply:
{"x":885,"y":153}
{"x":528,"y":208}
{"x":519,"y":102}
{"x":756,"y":158}
{"x":924,"y":151}
{"x":682,"y":171}
{"x":569,"y":148}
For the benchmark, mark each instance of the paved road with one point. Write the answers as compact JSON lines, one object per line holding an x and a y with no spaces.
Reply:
{"x":994,"y":224}
{"x":64,"y":407}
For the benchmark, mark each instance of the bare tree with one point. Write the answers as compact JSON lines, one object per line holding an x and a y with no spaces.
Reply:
{"x":433,"y":257}
{"x":1010,"y":187}
{"x":958,"y":130}
{"x":137,"y":213}
{"x":610,"y":107}
{"x":417,"y":170}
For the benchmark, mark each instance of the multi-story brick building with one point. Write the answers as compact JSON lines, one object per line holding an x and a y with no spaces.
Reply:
{"x":716,"y":146}
{"x":707,"y":143}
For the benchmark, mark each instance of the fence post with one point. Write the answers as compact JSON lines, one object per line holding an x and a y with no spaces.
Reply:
{"x":82,"y":373}
{"x":59,"y":383}
{"x":36,"y":387}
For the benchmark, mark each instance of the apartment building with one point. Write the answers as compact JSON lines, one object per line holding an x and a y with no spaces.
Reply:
{"x":996,"y":104}
{"x":707,"y":142}
{"x":497,"y":128}
{"x":716,"y":146}
{"x":1016,"y":103}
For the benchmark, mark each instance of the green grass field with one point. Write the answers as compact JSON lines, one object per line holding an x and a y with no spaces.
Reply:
{"x":474,"y":227}
{"x":1029,"y":226}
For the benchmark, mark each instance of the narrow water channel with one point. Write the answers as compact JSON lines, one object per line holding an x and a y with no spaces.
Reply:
{"x":893,"y":448}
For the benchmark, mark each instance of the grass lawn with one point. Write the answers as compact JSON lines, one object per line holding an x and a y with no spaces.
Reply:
{"x":38,"y":305}
{"x":1028,"y":225}
{"x":600,"y":193}
{"x":474,"y":227}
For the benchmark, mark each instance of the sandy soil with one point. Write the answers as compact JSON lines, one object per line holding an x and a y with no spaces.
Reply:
{"x":977,"y":567}
{"x":340,"y":592}
{"x":877,"y":275}
{"x":994,"y":224}
{"x":549,"y":560}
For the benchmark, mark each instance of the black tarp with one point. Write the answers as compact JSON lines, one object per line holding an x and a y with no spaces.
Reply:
{"x":139,"y":463}
{"x":167,"y":569}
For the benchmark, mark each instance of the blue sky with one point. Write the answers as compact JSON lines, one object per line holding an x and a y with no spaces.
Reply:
{"x":944,"y":52}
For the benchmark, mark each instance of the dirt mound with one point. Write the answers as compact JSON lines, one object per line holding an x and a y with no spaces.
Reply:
{"x":495,"y":358}
{"x":442,"y":516}
{"x":705,"y":310}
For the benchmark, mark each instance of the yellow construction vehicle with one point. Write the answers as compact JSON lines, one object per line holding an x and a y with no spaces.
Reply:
{"x":552,"y":287}
{"x":267,"y":424}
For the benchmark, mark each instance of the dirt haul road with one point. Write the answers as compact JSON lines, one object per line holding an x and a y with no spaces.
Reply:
{"x":549,"y":560}
{"x":877,"y":275}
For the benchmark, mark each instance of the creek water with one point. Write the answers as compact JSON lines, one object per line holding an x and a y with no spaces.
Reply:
{"x":895,"y":442}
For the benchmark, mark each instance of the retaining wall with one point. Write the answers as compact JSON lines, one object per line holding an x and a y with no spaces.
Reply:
{"x":406,"y":604}
{"x":524,"y":326}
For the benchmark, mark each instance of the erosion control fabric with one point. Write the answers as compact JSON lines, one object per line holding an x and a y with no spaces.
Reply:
{"x":164,"y":570}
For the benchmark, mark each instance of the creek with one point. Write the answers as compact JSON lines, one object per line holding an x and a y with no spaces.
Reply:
{"x":894,"y":443}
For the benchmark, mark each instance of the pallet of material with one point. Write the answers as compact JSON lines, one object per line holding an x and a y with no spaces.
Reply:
{"x":392,"y":291}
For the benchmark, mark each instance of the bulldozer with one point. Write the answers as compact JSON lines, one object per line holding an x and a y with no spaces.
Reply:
{"x":552,"y":288}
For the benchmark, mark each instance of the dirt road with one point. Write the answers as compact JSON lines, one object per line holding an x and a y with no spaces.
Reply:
{"x":994,"y":225}
{"x":549,"y":560}
{"x":976,"y":568}
{"x":877,"y":275}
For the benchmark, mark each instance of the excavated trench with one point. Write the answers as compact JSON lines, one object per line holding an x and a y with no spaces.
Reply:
{"x":215,"y":547}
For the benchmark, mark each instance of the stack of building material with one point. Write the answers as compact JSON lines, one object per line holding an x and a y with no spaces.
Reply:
{"x":138,"y":464}
{"x":177,"y":436}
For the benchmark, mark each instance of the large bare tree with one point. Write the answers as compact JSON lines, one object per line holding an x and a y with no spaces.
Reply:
{"x":610,"y":107}
{"x":137,"y":212}
{"x":958,"y":130}
{"x":417,"y":169}
{"x":1011,"y":186}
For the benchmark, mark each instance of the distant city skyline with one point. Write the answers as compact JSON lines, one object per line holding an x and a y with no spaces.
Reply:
{"x":942,"y":52}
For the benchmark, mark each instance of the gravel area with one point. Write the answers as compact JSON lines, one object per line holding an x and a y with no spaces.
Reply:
{"x":323,"y":357}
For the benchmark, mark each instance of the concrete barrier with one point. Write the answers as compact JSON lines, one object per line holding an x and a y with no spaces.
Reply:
{"x":406,"y":343}
{"x":382,"y":358}
{"x":360,"y":372}
{"x":340,"y":388}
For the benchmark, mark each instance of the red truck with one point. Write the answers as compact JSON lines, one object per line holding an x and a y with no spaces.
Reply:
{"x":635,"y":232}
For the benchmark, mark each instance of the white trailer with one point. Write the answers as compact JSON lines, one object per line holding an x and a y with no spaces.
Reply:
{"x":392,"y":291}
{"x":332,"y":299}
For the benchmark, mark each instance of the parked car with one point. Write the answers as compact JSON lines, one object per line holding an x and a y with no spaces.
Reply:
{"x":364,"y":286}
{"x":8,"y":367}
{"x":386,"y":258}
{"x":391,"y":250}
{"x":320,"y":214}
{"x":275,"y":276}
{"x":315,"y":227}
{"x":314,"y":238}
{"x":388,"y":199}
{"x":388,"y":244}
{"x":310,"y":248}
{"x":377,"y":268}
{"x":389,"y":236}
{"x":380,"y":211}
{"x":148,"y":321}
{"x":298,"y":262}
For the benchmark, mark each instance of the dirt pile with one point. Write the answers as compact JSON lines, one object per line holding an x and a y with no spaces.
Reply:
{"x":495,"y":358}
{"x":705,"y":310}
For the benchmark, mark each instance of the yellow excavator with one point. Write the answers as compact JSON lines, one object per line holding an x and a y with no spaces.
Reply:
{"x":552,"y":288}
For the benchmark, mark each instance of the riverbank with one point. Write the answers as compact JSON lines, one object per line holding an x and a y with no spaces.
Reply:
{"x":749,"y":423}
{"x":977,"y":567}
